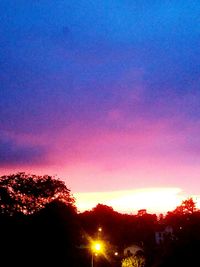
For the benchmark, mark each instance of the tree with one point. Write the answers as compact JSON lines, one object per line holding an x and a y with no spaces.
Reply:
{"x":49,"y":234}
{"x":187,"y":206}
{"x":27,"y":193}
{"x":54,"y":234}
{"x":134,"y":261}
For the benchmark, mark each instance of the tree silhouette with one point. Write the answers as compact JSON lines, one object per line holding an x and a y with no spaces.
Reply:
{"x":25,"y":193}
{"x":38,"y":221}
{"x":55,"y":233}
{"x":187,"y":206}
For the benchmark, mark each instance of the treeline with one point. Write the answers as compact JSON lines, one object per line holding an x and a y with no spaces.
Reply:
{"x":40,"y":225}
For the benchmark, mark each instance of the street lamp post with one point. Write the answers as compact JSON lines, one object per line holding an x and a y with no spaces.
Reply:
{"x":92,"y":262}
{"x":97,"y":247}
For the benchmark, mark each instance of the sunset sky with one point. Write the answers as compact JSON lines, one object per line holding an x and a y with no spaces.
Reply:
{"x":105,"y":94}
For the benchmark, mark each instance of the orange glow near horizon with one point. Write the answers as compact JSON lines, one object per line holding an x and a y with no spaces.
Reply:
{"x":154,"y":200}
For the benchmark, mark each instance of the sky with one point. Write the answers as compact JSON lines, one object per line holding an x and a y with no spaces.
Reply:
{"x":105,"y":95}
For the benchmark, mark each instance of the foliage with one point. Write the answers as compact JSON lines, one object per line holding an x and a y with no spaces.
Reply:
{"x":134,"y":261}
{"x":187,"y":206}
{"x":26,"y":194}
{"x":50,"y":234}
{"x":127,"y":262}
{"x":100,"y":208}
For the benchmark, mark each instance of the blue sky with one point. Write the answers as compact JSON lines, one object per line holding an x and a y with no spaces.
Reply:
{"x":99,"y":90}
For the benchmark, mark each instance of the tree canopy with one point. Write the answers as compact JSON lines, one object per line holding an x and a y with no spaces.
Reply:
{"x":187,"y":206}
{"x":26,"y":193}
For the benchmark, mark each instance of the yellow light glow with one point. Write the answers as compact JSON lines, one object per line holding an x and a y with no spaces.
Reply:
{"x":97,"y":247}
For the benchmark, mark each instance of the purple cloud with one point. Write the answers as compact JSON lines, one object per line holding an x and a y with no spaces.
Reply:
{"x":13,"y":153}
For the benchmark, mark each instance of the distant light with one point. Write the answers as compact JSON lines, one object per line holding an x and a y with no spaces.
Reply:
{"x":116,"y":253}
{"x":99,"y":229}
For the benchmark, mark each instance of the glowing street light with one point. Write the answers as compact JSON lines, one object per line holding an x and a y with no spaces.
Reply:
{"x":97,"y":248}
